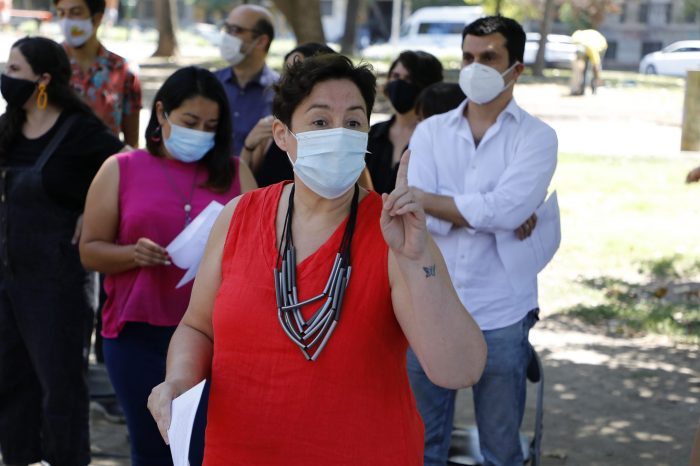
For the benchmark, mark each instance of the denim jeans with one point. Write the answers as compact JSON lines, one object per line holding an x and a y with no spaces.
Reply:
{"x":499,"y":399}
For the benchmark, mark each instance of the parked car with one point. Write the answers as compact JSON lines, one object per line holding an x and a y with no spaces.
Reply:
{"x":559,"y":51}
{"x":436,"y":30}
{"x":675,"y":60}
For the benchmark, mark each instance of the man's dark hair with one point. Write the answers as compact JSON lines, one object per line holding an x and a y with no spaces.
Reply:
{"x":309,"y":49}
{"x":95,"y":6}
{"x":299,"y":80}
{"x":265,"y":27}
{"x":423,"y":68}
{"x":508,"y":28}
{"x":438,"y":98}
{"x":184,"y":84}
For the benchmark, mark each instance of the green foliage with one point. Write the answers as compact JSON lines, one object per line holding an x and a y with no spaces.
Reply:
{"x":587,"y":14}
{"x":574,"y":18}
{"x":666,"y":302}
{"x":221,"y":6}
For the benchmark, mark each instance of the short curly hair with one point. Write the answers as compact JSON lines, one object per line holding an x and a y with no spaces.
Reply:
{"x":299,"y":80}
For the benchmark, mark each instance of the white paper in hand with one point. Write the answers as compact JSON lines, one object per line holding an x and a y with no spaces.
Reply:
{"x":523,"y":260}
{"x":183,"y":410}
{"x":187,"y":249}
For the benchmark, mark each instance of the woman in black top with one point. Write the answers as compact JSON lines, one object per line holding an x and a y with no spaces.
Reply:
{"x":408,"y":75}
{"x":51,"y":146}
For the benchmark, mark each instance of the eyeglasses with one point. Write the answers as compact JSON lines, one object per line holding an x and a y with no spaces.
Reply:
{"x":234,"y":30}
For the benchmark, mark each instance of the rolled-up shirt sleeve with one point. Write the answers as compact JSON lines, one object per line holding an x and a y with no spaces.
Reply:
{"x":520,"y":189}
{"x":423,"y":174}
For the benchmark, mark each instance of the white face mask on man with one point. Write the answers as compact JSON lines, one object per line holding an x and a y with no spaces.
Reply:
{"x":76,"y":31}
{"x":482,"y":84}
{"x":330,"y":161}
{"x":232,"y":48}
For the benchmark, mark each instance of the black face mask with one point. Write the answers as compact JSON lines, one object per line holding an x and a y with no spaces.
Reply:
{"x":16,"y":91}
{"x":402,"y":94}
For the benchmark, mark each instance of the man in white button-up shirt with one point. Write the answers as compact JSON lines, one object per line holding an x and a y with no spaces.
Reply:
{"x":481,"y":171}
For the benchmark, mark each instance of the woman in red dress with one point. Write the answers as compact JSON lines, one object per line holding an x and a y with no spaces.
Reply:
{"x":309,"y":294}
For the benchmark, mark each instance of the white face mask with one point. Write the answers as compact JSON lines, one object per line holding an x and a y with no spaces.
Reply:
{"x":186,"y":144}
{"x":76,"y":31}
{"x":481,"y":83}
{"x":330,"y":161}
{"x":231,"y":48}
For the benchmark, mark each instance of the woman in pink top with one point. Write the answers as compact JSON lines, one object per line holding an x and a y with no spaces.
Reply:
{"x":137,"y":204}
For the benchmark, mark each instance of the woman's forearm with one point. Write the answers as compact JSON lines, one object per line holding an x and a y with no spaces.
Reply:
{"x":105,"y":257}
{"x":443,"y":335}
{"x":189,"y":358}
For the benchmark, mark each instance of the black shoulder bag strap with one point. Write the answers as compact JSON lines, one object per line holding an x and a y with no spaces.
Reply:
{"x":55,"y":141}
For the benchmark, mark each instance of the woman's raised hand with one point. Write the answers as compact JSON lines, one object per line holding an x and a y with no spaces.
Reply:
{"x":403,"y":217}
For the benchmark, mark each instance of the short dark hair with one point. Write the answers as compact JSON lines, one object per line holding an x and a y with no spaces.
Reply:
{"x":439,"y":98}
{"x":186,"y":83}
{"x":309,"y":49}
{"x":297,"y":83}
{"x":423,"y":68}
{"x":95,"y":6}
{"x":507,"y":27}
{"x":264,"y":27}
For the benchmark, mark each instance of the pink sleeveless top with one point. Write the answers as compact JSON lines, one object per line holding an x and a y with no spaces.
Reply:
{"x":270,"y":406}
{"x":152,"y":195}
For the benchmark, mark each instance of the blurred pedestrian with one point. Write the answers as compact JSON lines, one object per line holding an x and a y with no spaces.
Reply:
{"x":408,"y":75}
{"x":292,"y":386}
{"x":593,"y":45}
{"x":51,"y":146}
{"x":5,"y":13}
{"x":480,"y":171}
{"x":246,"y":37}
{"x":101,"y":77}
{"x":139,"y":202}
{"x":438,"y":98}
{"x":111,"y":13}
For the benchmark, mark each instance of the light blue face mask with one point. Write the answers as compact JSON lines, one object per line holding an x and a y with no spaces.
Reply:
{"x":186,"y":144}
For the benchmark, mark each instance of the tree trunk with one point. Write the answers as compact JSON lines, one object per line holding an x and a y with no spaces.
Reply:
{"x":498,"y":7}
{"x":347,"y":43}
{"x":304,"y":16}
{"x":166,"y":19}
{"x":538,"y":68}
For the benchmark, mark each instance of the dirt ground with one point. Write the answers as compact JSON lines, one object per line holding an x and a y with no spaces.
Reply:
{"x":611,"y":400}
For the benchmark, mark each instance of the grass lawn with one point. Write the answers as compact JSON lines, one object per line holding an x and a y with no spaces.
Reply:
{"x":630,"y":244}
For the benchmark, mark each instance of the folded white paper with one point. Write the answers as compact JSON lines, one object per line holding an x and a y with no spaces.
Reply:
{"x":523,"y":260}
{"x":187,"y":249}
{"x":183,"y":411}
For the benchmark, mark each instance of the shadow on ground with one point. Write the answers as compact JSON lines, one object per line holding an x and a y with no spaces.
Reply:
{"x":612,"y":400}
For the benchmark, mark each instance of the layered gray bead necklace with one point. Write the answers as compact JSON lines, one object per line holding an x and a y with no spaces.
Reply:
{"x":312,"y":335}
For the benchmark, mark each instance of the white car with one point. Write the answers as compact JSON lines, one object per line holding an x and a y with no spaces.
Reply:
{"x":675,"y":60}
{"x":559,"y":51}
{"x":436,"y":30}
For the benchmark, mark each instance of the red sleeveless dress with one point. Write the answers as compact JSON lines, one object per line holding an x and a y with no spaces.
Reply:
{"x":268,"y":404}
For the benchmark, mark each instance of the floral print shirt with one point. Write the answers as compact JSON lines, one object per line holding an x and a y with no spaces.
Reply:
{"x":108,"y":87}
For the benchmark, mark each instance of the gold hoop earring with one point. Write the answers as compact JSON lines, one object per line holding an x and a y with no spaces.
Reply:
{"x":42,"y":99}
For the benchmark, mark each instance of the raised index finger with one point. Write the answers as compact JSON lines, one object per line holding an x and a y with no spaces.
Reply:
{"x":402,"y":173}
